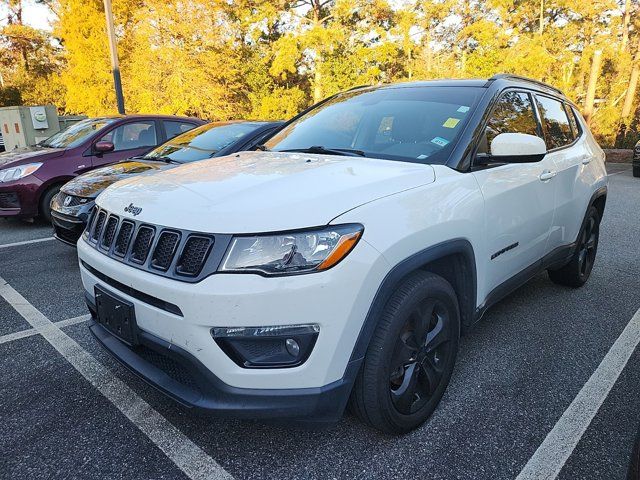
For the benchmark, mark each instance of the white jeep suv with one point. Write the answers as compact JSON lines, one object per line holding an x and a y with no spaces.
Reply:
{"x":341,"y":262}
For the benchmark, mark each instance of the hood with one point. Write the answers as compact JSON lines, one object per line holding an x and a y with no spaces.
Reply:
{"x":92,"y":183}
{"x":255,"y":192}
{"x":20,"y":156}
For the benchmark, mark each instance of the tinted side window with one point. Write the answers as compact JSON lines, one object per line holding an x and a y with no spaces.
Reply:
{"x":513,"y":114}
{"x":174,"y":128}
{"x":557,"y":131}
{"x":132,"y":135}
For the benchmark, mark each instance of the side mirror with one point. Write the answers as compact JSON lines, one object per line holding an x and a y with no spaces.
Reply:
{"x":103,"y":147}
{"x":517,"y":148}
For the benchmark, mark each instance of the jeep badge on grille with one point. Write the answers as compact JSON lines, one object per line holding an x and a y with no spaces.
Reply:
{"x":132,"y":209}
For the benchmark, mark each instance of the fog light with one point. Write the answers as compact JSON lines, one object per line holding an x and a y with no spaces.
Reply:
{"x":292,"y":347}
{"x":279,"y":346}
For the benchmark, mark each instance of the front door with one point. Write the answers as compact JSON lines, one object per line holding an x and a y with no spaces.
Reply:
{"x":519,"y":197}
{"x":129,"y":140}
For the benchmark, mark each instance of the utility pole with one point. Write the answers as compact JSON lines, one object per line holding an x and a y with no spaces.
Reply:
{"x":113,"y":50}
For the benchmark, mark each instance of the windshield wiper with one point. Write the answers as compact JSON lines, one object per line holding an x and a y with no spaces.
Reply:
{"x":163,"y":159}
{"x":348,"y":152}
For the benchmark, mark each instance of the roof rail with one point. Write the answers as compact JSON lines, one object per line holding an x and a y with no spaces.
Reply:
{"x":507,"y":76}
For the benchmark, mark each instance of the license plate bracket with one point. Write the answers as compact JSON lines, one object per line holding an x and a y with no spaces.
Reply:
{"x":116,"y":315}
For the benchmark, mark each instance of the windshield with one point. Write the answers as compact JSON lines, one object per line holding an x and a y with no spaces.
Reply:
{"x":202,"y":142}
{"x":412,"y":123}
{"x":77,"y":133}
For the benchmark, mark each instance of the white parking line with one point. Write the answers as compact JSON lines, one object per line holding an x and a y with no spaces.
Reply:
{"x":32,"y":331}
{"x":552,"y":454}
{"x":189,"y":458}
{"x":26,"y":242}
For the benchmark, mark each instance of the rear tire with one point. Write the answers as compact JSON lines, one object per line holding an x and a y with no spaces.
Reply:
{"x":576,"y":272}
{"x":411,"y":356}
{"x":45,"y":202}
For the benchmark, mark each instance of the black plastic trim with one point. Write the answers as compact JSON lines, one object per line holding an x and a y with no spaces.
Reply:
{"x":132,"y":292}
{"x":396,"y":274}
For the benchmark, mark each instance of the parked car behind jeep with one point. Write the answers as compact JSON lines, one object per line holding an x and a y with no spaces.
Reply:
{"x":30,"y":177}
{"x":70,"y":208}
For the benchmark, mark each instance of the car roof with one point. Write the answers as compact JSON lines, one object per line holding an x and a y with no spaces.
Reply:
{"x":500,"y":80}
{"x":256,"y":123}
{"x":146,"y":116}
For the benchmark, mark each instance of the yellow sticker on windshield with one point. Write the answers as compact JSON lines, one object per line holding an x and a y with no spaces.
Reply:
{"x":451,"y":122}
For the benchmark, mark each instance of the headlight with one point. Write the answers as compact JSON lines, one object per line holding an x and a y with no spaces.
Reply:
{"x":291,"y":252}
{"x":16,"y":173}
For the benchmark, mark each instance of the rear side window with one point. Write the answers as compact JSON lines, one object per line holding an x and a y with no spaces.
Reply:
{"x":557,"y":130}
{"x":174,"y":128}
{"x":513,"y":114}
{"x":572,"y":121}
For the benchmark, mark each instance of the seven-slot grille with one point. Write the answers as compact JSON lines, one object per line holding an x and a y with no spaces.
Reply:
{"x":169,"y":252}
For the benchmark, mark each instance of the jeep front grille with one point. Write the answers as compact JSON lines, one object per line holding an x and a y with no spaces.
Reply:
{"x":124,"y":238}
{"x":179,"y":254}
{"x":142,"y":244}
{"x":165,"y":250}
{"x":195,"y":251}
{"x":109,"y":232}
{"x":97,"y":229}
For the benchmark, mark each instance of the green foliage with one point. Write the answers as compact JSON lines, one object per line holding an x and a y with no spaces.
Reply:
{"x":222,"y":59}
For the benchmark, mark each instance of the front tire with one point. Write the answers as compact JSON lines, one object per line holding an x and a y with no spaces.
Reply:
{"x":577,"y":271}
{"x":411,"y":356}
{"x":636,"y":170}
{"x":45,"y":202}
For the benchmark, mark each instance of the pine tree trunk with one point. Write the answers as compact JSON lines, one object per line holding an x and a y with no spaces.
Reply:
{"x":593,"y":83}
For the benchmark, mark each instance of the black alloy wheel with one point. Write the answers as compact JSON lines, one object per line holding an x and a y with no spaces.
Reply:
{"x":410,"y":357}
{"x":587,"y":246}
{"x":577,"y":271}
{"x":420,"y":356}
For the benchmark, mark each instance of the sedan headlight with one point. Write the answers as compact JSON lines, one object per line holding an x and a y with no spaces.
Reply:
{"x":16,"y":173}
{"x":291,"y":252}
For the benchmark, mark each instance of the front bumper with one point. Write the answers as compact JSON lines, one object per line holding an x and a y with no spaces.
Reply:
{"x":337,"y":300}
{"x":20,"y":198}
{"x":69,"y":222}
{"x":178,"y":374}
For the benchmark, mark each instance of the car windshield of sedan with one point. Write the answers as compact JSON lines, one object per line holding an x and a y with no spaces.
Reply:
{"x":202,"y":142}
{"x":77,"y":133}
{"x":407,"y":123}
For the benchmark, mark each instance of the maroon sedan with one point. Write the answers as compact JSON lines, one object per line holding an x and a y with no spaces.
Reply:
{"x":30,"y":177}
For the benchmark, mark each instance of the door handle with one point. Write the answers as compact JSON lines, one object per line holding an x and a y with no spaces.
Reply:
{"x":586,"y":159}
{"x":547,"y":175}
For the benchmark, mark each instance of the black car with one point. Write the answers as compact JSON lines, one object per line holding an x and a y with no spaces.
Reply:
{"x":636,"y":160}
{"x":71,"y":207}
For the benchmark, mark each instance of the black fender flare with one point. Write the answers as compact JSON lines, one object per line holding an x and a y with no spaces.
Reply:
{"x":401,"y":270}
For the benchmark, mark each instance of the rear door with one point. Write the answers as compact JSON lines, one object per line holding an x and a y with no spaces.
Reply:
{"x":519,"y":199}
{"x":129,"y":139}
{"x":563,"y":136}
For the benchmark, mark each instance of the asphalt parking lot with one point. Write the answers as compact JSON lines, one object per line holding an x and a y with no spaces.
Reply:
{"x":546,"y":384}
